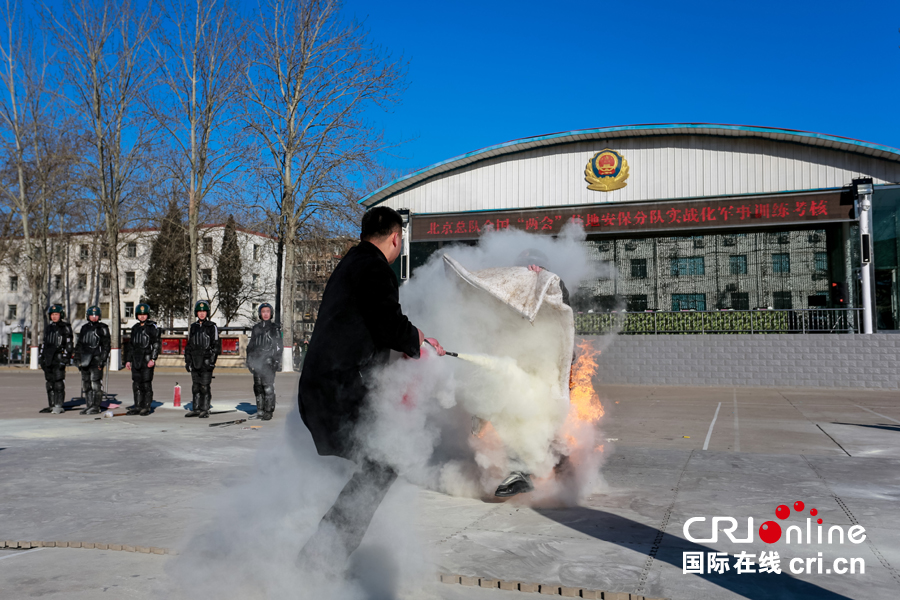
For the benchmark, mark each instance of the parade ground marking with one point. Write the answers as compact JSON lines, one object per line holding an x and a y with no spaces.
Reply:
{"x":711,"y":425}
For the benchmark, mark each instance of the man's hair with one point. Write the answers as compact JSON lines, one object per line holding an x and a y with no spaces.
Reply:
{"x":380,"y":222}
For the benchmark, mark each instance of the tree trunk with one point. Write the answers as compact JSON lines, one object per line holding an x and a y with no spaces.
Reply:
{"x":112,"y":239}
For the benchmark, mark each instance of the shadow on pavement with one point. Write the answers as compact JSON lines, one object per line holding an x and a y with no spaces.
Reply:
{"x":879,"y":426}
{"x":608,"y":527}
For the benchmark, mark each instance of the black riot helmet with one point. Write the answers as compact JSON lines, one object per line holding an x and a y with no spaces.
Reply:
{"x":201,"y":305}
{"x":56,"y":308}
{"x":271,"y":311}
{"x":142,"y":309}
{"x":93,"y":311}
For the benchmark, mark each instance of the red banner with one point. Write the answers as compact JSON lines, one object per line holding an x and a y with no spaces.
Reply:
{"x":613,"y":218}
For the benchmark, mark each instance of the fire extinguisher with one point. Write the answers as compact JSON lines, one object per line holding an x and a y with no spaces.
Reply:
{"x":177,"y":399}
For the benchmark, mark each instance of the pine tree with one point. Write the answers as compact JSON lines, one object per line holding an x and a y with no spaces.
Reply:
{"x":167,"y":288}
{"x":228,"y":273}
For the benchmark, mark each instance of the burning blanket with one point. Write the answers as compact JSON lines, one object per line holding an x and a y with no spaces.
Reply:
{"x":521,"y":383}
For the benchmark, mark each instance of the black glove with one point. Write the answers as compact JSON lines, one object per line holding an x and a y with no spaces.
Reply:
{"x":187,"y":367}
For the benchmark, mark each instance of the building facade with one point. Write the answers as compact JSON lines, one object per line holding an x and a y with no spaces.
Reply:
{"x":695,"y":217}
{"x":79,"y":276}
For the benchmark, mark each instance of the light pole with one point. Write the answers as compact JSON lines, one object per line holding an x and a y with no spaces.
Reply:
{"x":862,"y":190}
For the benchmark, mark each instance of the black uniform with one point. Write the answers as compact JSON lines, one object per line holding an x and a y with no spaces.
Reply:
{"x":264,"y":359}
{"x":145,"y":346}
{"x":200,"y":355}
{"x":360,"y":322}
{"x":91,"y":354}
{"x":55,"y":351}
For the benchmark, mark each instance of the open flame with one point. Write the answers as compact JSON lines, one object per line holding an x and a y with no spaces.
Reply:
{"x":585,"y":403}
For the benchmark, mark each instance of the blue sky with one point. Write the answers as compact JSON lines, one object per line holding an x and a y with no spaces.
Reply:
{"x":482,"y":73}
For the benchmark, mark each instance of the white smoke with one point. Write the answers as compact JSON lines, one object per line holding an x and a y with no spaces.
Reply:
{"x":421,"y":411}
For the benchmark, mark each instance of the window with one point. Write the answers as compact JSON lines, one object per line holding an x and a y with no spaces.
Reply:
{"x":84,"y":252}
{"x":254,"y":308}
{"x":637,"y":303}
{"x":82,"y":281}
{"x":298,"y":306}
{"x":104,"y":310}
{"x":129,"y":310}
{"x":688,"y":265}
{"x":11,"y":311}
{"x":207,"y":245}
{"x":105,"y":282}
{"x":688,"y":301}
{"x":782,"y":299}
{"x":14,"y":283}
{"x":131,"y":250}
{"x":255,"y":251}
{"x":821,"y":262}
{"x":639,"y":268}
{"x":81,"y":310}
{"x":740,"y":300}
{"x":104,"y":251}
{"x":205,"y":276}
{"x":57,"y":282}
{"x":129,"y":280}
{"x":255,"y":281}
{"x":818,"y":300}
{"x":781,"y":263}
{"x":738,"y":264}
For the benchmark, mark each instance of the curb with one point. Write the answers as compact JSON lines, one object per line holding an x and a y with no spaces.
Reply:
{"x":87,"y":546}
{"x":551,"y":589}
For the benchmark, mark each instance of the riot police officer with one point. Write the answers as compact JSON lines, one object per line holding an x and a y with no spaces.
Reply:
{"x":143,"y":351}
{"x":200,"y":354}
{"x":91,"y":354}
{"x":263,"y":359}
{"x":55,"y":352}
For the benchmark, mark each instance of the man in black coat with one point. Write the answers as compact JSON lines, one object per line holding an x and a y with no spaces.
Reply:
{"x":91,"y":354}
{"x":55,"y":352}
{"x":360,"y":321}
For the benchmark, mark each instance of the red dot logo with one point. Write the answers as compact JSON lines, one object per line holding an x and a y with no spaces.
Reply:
{"x":819,"y":521}
{"x":783,"y":512}
{"x":813,"y":512}
{"x":770,"y":532}
{"x":799,"y":506}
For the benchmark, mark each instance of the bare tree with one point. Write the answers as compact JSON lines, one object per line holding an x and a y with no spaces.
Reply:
{"x":107,"y":72}
{"x":32,"y":136}
{"x":200,"y":70}
{"x":311,"y":76}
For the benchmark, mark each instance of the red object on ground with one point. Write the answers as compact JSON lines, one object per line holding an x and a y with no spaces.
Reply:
{"x":177,"y":396}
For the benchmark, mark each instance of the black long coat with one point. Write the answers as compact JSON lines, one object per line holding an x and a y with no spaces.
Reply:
{"x":360,"y":322}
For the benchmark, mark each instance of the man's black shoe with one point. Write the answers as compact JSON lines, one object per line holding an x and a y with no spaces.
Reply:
{"x":516,"y":483}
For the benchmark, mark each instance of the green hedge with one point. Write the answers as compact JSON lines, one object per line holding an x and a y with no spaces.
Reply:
{"x":682,"y":322}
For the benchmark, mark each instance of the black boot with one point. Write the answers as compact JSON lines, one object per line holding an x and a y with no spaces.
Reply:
{"x":269,"y":407}
{"x":207,"y":403}
{"x":136,"y":408}
{"x":49,"y":402}
{"x":195,"y":406}
{"x":96,"y":396}
{"x":86,"y":395}
{"x":59,"y":397}
{"x":517,"y":483}
{"x":146,"y":407}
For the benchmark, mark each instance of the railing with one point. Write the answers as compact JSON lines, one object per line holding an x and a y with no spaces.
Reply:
{"x":809,"y":320}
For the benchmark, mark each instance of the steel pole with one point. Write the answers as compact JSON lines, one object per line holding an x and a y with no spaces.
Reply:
{"x":865,"y":228}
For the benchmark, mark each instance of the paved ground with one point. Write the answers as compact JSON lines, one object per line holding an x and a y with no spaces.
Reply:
{"x":159,"y":480}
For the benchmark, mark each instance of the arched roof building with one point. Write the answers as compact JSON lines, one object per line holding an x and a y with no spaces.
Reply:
{"x":693,"y":215}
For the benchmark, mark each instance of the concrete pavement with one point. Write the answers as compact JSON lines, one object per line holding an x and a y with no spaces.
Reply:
{"x":147,"y":481}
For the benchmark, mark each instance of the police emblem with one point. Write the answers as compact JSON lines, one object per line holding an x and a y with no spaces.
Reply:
{"x":606,"y":171}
